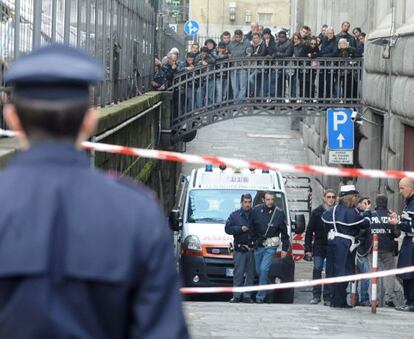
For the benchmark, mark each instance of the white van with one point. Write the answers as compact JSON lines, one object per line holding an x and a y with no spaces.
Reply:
{"x":207,"y":198}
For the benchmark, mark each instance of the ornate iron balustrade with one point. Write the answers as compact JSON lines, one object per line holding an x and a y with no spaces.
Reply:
{"x":263,"y":86}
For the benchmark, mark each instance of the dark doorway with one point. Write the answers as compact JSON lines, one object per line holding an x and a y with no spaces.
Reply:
{"x":408,"y":148}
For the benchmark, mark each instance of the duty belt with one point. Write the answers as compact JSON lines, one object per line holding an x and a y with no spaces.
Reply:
{"x":334,"y":233}
{"x":408,"y":234}
{"x":271,"y":242}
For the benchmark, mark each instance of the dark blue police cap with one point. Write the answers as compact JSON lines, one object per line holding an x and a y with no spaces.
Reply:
{"x":54,"y":72}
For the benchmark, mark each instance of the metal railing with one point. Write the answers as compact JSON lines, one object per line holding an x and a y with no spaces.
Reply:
{"x":119,"y":33}
{"x":254,"y":85}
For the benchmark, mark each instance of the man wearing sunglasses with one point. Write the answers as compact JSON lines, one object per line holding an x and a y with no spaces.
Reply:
{"x":315,"y":245}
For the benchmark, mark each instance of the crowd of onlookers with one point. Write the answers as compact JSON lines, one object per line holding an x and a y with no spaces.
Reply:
{"x":259,"y":42}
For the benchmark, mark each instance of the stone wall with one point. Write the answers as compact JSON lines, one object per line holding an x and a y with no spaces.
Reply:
{"x":145,"y":132}
{"x":388,"y":88}
{"x":390,"y":98}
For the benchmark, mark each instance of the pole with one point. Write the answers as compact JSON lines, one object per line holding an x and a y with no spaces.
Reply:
{"x":374,"y":269}
{"x":387,"y":117}
{"x":354,"y":296}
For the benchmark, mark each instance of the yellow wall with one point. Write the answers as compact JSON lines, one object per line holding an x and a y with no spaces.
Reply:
{"x":216,"y":14}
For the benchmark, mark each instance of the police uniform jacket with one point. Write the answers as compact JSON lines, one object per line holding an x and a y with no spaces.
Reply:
{"x":234,"y":224}
{"x":348,"y":220}
{"x":365,"y":240}
{"x":82,"y":255}
{"x":261,"y":216}
{"x":317,"y":232}
{"x":406,"y":257}
{"x":380,"y":226}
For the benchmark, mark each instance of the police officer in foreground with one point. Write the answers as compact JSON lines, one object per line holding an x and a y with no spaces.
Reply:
{"x":344,"y":222}
{"x":406,"y":257}
{"x":268,"y":229}
{"x":316,"y":243}
{"x":238,"y":224}
{"x":81,"y":255}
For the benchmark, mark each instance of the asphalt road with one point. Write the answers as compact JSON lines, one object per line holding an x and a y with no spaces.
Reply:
{"x":230,"y":321}
{"x":270,"y":139}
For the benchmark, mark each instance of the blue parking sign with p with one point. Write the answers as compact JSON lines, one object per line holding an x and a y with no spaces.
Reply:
{"x":340,"y":129}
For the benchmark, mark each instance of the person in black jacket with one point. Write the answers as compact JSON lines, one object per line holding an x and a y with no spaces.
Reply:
{"x":387,"y":234}
{"x":256,"y":50}
{"x":346,"y":79}
{"x":206,"y":86}
{"x":316,"y":244}
{"x":406,"y":257}
{"x":361,"y":45}
{"x":300,"y":50}
{"x":78,"y":258}
{"x":222,"y":79}
{"x":345,"y":35}
{"x":269,"y":74}
{"x":363,"y":252}
{"x":328,"y":49}
{"x":345,"y":223}
{"x":283,"y":49}
{"x":239,"y":225}
{"x":254,"y":28}
{"x":310,"y":73}
{"x":268,"y":228}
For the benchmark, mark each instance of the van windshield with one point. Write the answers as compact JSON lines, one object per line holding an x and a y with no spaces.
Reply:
{"x":213,"y":206}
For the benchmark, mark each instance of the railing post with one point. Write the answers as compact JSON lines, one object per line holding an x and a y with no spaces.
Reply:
{"x":17,"y":30}
{"x":66,"y":30}
{"x":37,"y":23}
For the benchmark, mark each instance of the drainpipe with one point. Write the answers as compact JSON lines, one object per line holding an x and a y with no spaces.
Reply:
{"x":387,"y":117}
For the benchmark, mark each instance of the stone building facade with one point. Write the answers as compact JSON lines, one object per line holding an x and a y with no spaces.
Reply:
{"x":217,"y":16}
{"x":385,"y":139}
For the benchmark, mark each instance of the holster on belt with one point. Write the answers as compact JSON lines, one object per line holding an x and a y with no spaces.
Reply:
{"x":353,"y":246}
{"x":332,"y":235}
{"x":242,"y":248}
{"x":271,"y":242}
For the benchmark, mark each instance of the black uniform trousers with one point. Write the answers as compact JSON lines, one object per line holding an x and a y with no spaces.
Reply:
{"x":340,"y":262}
{"x":408,"y":285}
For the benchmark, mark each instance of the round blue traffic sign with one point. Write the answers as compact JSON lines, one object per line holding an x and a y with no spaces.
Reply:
{"x":191,"y":27}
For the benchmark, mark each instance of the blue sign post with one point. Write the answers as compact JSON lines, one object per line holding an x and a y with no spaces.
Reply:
{"x":340,"y":129}
{"x":191,"y":27}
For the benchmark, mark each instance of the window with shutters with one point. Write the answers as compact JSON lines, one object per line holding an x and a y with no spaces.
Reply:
{"x":264,"y":18}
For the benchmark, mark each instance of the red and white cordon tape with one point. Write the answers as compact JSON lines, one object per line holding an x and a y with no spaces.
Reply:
{"x":238,"y":163}
{"x":296,"y":284}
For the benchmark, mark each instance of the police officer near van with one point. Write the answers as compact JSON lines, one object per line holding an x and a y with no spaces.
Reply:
{"x":239,"y":225}
{"x":344,"y":222}
{"x":316,"y":243}
{"x":406,"y":257}
{"x":269,"y":229}
{"x":78,"y":259}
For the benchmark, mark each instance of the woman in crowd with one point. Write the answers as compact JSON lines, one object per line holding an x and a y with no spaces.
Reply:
{"x":347,"y":79}
{"x":300,"y":50}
